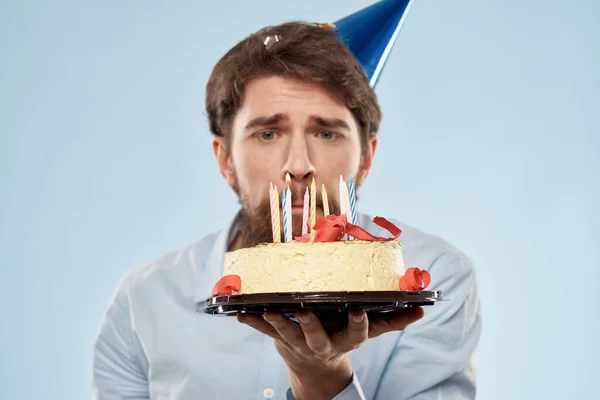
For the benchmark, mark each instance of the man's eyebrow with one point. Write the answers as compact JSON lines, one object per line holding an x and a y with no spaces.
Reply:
{"x":266,"y":121}
{"x":330,"y":122}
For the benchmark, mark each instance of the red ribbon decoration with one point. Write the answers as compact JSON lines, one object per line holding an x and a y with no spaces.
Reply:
{"x":415,"y":280}
{"x":333,"y":228}
{"x":227,"y":285}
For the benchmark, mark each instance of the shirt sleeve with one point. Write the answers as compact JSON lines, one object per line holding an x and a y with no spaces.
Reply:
{"x":435,"y":358}
{"x":118,"y":370}
{"x":352,"y":392}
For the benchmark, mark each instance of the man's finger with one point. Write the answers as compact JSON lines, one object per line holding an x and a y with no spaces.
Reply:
{"x":259,"y":324}
{"x":404,"y":319}
{"x":357,"y":331}
{"x":316,"y":337}
{"x":395,"y":321}
{"x":288,"y":331}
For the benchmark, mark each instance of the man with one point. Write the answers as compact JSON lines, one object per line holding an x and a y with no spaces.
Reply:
{"x":293,"y":100}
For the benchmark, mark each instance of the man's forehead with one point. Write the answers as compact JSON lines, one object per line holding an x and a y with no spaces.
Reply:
{"x":272,"y":90}
{"x":291,"y":100}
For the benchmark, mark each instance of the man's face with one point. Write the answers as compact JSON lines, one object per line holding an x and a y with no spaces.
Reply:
{"x":286,"y":126}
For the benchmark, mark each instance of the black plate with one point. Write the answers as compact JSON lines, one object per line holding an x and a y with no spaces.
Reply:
{"x":330,"y":307}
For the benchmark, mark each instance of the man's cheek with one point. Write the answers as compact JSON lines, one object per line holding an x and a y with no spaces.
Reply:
{"x":335,"y":165}
{"x":254,"y":160}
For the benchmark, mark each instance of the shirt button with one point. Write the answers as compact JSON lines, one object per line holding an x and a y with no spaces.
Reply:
{"x":269,"y":393}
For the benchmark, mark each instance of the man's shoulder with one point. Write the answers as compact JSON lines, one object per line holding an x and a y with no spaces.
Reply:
{"x":178,"y":267}
{"x":418,"y":240}
{"x":449,"y":266}
{"x":424,"y":249}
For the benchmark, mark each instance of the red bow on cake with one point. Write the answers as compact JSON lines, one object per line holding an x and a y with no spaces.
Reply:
{"x":333,"y":228}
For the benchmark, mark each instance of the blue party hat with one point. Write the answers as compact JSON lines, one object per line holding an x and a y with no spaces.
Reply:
{"x":370,"y":33}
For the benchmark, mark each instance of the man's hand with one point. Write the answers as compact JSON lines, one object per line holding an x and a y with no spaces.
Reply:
{"x":318,"y":364}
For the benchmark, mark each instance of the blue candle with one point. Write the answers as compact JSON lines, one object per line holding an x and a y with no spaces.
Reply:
{"x":353,"y":201}
{"x":285,"y":216}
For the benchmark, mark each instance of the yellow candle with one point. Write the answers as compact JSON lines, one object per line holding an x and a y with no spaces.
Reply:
{"x":325,"y":202}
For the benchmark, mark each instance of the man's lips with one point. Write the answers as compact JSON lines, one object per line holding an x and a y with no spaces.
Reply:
{"x":297,"y":207}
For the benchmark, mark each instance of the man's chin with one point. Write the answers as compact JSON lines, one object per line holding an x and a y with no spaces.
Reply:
{"x":296,"y":232}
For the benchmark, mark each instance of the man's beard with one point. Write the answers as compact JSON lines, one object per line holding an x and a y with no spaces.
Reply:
{"x":256,"y":226}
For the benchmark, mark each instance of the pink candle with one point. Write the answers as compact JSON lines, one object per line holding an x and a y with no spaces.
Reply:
{"x":305,"y":213}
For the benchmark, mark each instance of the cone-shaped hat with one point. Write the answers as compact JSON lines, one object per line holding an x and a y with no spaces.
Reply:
{"x":370,"y":33}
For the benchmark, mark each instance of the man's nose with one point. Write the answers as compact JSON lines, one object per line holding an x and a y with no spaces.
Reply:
{"x":298,"y":163}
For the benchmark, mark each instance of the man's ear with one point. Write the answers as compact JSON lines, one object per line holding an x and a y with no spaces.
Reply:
{"x":367,"y":160}
{"x":224,"y":161}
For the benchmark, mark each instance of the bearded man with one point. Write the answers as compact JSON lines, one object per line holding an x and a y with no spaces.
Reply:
{"x":289,"y":99}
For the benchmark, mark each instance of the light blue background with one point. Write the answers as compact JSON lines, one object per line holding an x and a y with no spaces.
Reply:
{"x":489,"y":139}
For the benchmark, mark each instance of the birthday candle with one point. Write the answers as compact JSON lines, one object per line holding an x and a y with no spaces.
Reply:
{"x":342,"y":186}
{"x":325,"y":202}
{"x":305,"y":214}
{"x":288,"y":197}
{"x":313,"y":208}
{"x":341,"y":192}
{"x":353,"y":201}
{"x":285,"y":217}
{"x":345,"y":201}
{"x":277,"y":222}
{"x":272,"y":202}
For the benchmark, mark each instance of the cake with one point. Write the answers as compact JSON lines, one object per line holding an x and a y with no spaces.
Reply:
{"x":322,"y":262}
{"x":345,"y":265}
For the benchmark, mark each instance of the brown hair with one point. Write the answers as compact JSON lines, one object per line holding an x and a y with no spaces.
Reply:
{"x":296,"y":50}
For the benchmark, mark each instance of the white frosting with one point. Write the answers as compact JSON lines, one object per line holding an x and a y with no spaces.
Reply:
{"x":352,"y":265}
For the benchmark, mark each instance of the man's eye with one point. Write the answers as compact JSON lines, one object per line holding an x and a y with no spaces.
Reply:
{"x":266,"y":135}
{"x":328,"y":135}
